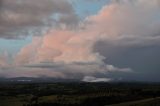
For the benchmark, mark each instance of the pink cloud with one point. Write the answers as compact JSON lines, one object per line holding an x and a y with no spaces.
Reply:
{"x":113,"y":22}
{"x":4,"y":59}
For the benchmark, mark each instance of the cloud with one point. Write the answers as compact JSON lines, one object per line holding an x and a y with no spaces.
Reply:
{"x":131,"y":19}
{"x":57,"y":46}
{"x":67,"y":52}
{"x":20,"y":18}
{"x":72,"y":52}
{"x":4,"y":59}
{"x":79,"y":68}
{"x":94,"y":79}
{"x":110,"y":24}
{"x":13,"y":71}
{"x":59,"y":70}
{"x":143,"y":59}
{"x":111,"y":68}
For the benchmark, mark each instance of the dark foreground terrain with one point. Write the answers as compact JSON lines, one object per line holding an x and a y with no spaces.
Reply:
{"x":79,"y":94}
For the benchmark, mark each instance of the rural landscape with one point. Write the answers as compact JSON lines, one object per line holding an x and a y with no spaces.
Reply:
{"x":79,"y":94}
{"x":79,"y":52}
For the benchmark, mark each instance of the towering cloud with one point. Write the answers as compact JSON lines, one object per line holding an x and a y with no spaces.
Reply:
{"x":71,"y":53}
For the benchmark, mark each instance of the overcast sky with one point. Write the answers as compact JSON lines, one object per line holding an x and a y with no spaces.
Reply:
{"x":89,"y":40}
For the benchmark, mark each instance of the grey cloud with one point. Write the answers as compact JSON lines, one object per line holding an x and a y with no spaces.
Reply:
{"x":143,"y":58}
{"x":17,"y":17}
{"x":78,"y":70}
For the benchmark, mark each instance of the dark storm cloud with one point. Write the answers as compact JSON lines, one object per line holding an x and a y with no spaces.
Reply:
{"x":144,"y":59}
{"x":17,"y":17}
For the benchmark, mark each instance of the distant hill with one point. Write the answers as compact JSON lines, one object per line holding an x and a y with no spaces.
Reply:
{"x":35,"y":80}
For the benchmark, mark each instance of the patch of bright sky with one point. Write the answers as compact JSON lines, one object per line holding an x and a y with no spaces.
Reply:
{"x":13,"y":46}
{"x":86,"y":8}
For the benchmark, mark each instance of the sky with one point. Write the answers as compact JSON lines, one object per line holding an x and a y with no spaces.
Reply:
{"x":88,"y":40}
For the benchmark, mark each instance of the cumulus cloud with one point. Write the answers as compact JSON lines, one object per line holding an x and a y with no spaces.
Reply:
{"x":3,"y":60}
{"x":131,"y":19}
{"x":19,"y":17}
{"x":71,"y":52}
{"x":67,"y":52}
